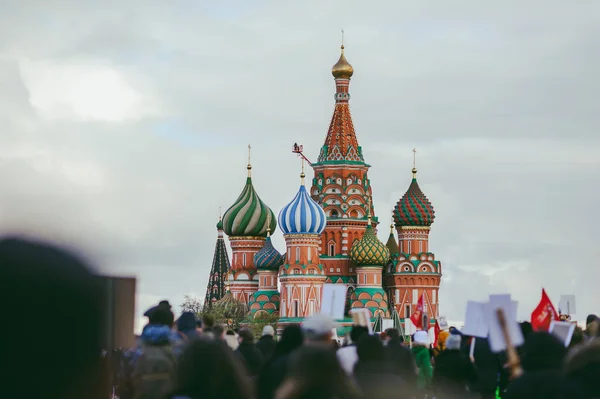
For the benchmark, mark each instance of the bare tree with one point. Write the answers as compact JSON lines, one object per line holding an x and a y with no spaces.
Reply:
{"x":192,"y":304}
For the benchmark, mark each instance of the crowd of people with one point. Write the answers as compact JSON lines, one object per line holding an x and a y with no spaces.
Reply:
{"x":57,"y":353}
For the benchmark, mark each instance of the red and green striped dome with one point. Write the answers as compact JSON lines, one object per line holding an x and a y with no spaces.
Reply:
{"x":414,"y":209}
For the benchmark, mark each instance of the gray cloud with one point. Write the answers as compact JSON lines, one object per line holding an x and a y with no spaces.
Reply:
{"x":500,"y":100}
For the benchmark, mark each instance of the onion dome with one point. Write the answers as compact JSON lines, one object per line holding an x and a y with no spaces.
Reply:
{"x":248,"y":216}
{"x":392,"y":244}
{"x":342,"y":69}
{"x":414,"y":209}
{"x":268,"y":258}
{"x":303,"y":215}
{"x":369,"y":251}
{"x":220,"y":224}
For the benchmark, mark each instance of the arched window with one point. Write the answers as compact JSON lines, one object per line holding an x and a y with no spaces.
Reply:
{"x":331,"y":249}
{"x":297,"y":254}
{"x":243,"y":259}
{"x":334,"y":213}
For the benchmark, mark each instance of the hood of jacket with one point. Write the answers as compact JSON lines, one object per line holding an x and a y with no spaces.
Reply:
{"x":156,"y":335}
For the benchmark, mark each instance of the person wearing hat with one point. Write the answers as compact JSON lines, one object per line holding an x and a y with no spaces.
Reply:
{"x":423,"y":359}
{"x":319,"y":328}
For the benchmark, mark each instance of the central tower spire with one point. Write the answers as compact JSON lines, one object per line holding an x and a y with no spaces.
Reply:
{"x":341,"y":185}
{"x":341,"y":144}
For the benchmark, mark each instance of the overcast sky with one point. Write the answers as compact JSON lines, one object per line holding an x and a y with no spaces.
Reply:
{"x":124,"y":127}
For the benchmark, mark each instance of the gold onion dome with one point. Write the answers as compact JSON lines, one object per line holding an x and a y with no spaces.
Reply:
{"x":369,"y":251}
{"x":342,"y":69}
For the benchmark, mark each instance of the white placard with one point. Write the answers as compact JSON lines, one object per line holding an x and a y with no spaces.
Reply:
{"x":362,"y":317}
{"x":333,"y":300}
{"x":387,"y":323}
{"x":497,"y":343}
{"x":567,"y":304}
{"x":475,"y":322}
{"x":442,"y":322}
{"x":563,"y":330}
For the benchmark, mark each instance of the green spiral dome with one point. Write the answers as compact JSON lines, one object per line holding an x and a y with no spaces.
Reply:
{"x":248,"y":216}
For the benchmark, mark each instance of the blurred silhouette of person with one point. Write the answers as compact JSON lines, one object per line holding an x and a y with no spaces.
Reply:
{"x":250,"y":354}
{"x":401,"y":357}
{"x":374,"y":373}
{"x":208,"y":369}
{"x":315,"y":373}
{"x":348,"y":356}
{"x":453,"y":372}
{"x":266,"y":344}
{"x":59,"y":356}
{"x":581,"y":370}
{"x":275,"y":369}
{"x":542,"y":361}
{"x":186,"y":326}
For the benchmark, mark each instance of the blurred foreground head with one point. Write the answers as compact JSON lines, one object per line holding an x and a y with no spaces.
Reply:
{"x":52,"y":322}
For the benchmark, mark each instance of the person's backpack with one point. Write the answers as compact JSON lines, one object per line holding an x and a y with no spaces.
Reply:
{"x":154,"y":372}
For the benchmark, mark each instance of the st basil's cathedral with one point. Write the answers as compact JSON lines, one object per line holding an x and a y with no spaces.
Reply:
{"x":330,"y":232}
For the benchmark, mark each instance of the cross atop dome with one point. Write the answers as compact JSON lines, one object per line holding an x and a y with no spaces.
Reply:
{"x":342,"y":69}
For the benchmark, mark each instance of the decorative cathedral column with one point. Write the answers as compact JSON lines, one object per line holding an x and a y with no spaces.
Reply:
{"x":370,"y":256}
{"x":414,"y":271}
{"x":246,"y":223}
{"x":341,"y":184}
{"x":302,"y":276}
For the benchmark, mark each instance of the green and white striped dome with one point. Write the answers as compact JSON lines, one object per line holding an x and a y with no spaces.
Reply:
{"x":248,"y":216}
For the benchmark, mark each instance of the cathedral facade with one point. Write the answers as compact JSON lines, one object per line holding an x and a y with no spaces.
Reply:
{"x":330,"y":230}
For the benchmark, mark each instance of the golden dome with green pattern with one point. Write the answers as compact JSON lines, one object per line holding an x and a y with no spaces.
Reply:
{"x":369,"y":251}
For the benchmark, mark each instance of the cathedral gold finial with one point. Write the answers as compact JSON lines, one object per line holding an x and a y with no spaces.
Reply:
{"x":342,"y":69}
{"x":302,"y":175}
{"x":268,"y":224}
{"x":249,"y":167}
{"x":220,"y":213}
{"x":369,"y":211}
{"x":414,"y":169}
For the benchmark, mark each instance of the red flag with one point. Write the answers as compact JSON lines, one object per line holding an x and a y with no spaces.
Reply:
{"x":436,"y":332}
{"x":543,"y":314}
{"x":417,"y":316}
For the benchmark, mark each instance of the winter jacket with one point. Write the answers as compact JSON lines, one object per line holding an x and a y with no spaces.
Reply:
{"x":266,"y":345}
{"x":545,"y":384}
{"x":153,"y":335}
{"x":379,"y":380}
{"x":423,"y":361}
{"x":402,"y":361}
{"x":251,"y":357}
{"x":453,"y":372}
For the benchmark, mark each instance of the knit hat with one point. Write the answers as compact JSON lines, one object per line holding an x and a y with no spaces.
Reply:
{"x":319,"y":324}
{"x":268,"y":330}
{"x":421,"y":338}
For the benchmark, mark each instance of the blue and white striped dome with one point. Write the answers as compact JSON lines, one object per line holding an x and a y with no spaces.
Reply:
{"x":302,"y":216}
